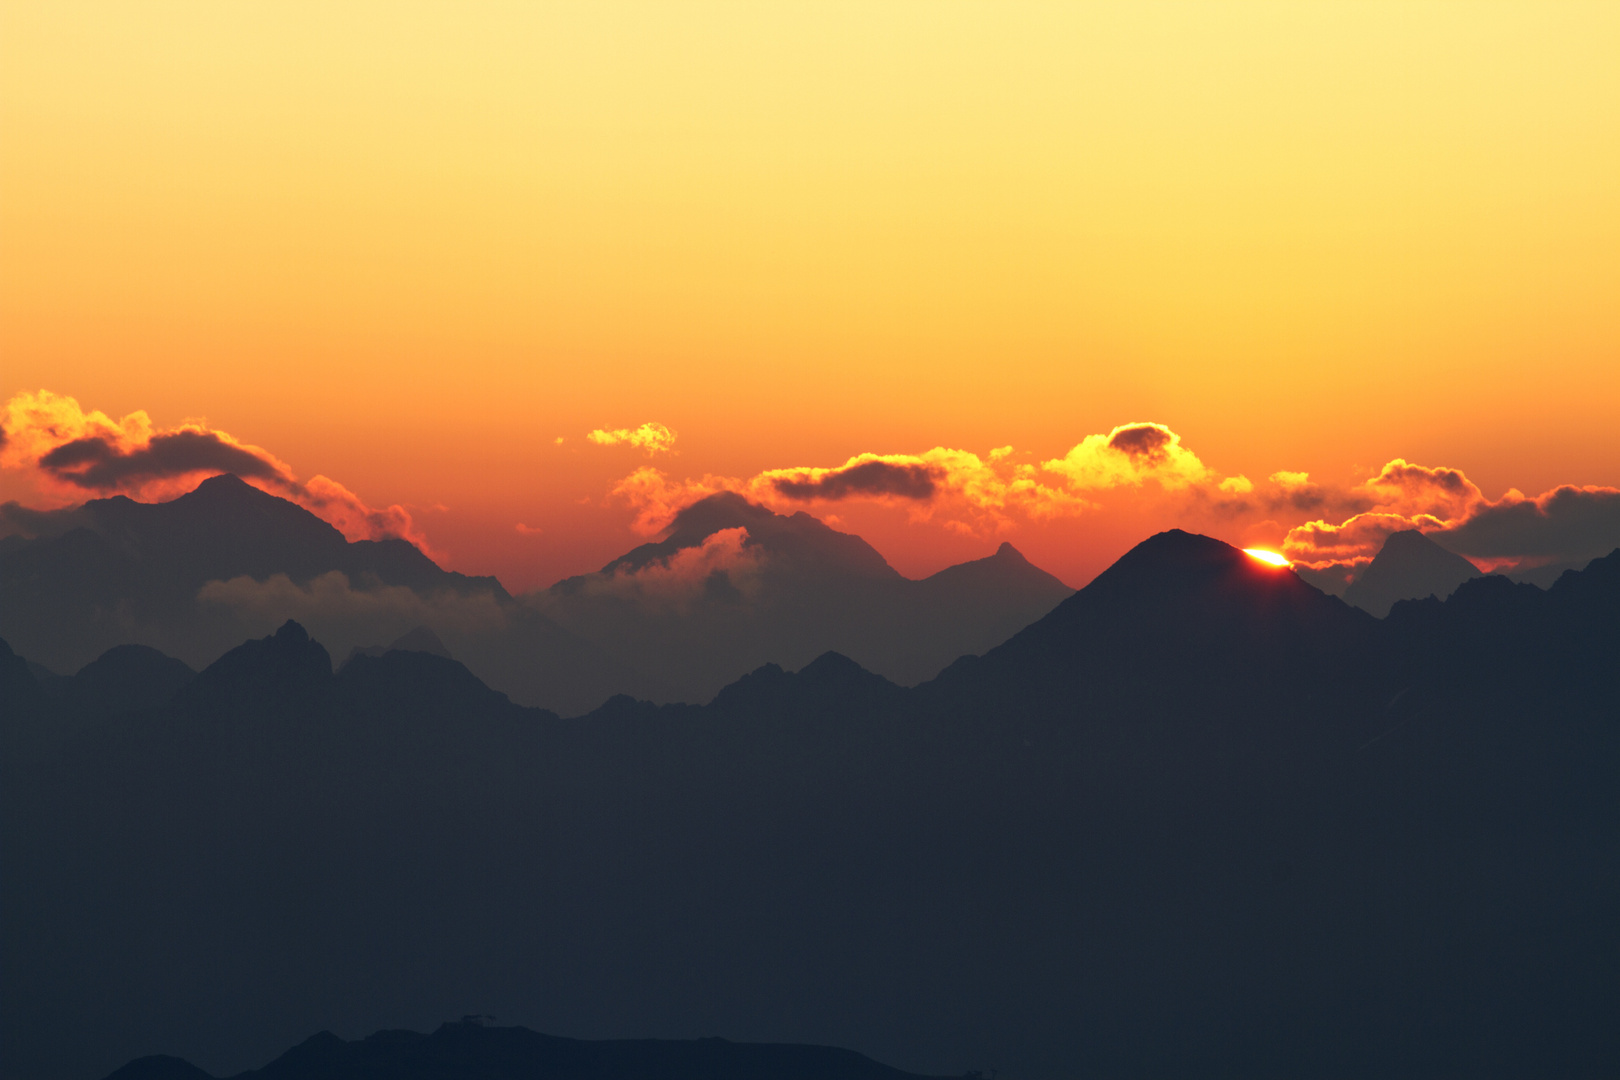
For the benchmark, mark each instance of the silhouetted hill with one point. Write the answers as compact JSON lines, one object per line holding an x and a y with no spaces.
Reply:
{"x":1409,"y":566}
{"x":472,"y":1051}
{"x":696,"y":612}
{"x":129,"y":678}
{"x":1200,"y":820}
{"x":1177,"y":617}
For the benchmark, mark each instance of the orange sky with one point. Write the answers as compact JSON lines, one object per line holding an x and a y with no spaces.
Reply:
{"x":408,"y":246}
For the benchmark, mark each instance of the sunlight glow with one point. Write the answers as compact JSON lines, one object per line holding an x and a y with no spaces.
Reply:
{"x":1266,"y":556}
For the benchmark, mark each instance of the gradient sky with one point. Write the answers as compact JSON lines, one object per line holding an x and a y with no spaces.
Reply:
{"x":410,"y":246}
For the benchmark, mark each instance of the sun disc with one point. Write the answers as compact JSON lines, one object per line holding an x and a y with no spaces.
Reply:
{"x":1265,"y":556}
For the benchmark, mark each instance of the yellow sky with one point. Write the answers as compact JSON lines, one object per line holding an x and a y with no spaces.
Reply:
{"x":409,"y":245}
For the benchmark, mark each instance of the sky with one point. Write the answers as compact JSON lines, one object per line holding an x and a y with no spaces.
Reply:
{"x":409,"y":257}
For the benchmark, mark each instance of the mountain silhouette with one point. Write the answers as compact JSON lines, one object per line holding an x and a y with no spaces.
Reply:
{"x":469,"y":1050}
{"x":137,"y":573}
{"x":1409,"y":566}
{"x":1199,"y":819}
{"x":126,"y":678}
{"x":788,"y":588}
{"x":1176,"y":617}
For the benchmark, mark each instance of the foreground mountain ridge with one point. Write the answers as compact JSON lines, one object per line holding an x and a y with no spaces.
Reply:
{"x":470,"y":1050}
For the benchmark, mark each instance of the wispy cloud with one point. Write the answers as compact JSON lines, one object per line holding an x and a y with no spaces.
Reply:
{"x":649,"y":437}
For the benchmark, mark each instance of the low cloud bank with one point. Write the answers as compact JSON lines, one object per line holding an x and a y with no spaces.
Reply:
{"x":725,"y":565}
{"x":342,"y":616}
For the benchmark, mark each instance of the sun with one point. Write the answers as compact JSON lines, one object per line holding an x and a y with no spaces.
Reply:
{"x":1266,"y":556}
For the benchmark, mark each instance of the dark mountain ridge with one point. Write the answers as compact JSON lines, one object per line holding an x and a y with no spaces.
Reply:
{"x":469,"y":1050}
{"x":1200,"y":820}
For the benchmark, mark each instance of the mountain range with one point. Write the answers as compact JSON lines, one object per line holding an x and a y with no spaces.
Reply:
{"x":1199,"y":819}
{"x":731,"y":586}
{"x":790,"y":589}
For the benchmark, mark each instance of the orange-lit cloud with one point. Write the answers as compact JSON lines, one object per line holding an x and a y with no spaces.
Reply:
{"x":678,"y":580}
{"x":73,"y":453}
{"x":653,"y":438}
{"x":1564,"y":524}
{"x":1133,"y":454}
{"x":958,"y":489}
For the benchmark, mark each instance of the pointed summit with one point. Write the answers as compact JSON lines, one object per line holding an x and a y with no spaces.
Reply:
{"x":288,"y":666}
{"x":1177,"y":613}
{"x":1409,"y":566}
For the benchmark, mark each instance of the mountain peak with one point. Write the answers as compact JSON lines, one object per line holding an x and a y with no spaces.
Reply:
{"x":1409,"y":566}
{"x":800,"y":538}
{"x":1006,"y":553}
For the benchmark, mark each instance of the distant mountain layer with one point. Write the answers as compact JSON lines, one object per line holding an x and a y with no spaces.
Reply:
{"x":731,"y":587}
{"x":1198,"y":820}
{"x":694,"y":614}
{"x":471,"y":1051}
{"x":1409,"y":566}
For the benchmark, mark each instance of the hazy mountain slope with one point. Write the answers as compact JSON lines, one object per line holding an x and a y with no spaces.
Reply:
{"x":1409,"y":566}
{"x":1200,"y":820}
{"x":735,"y":586}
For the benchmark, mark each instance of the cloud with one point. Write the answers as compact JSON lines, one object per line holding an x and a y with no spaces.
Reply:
{"x":97,"y":463}
{"x":653,"y":438}
{"x":75,"y":452}
{"x":1130,"y":454}
{"x":657,"y":499}
{"x":868,"y":475}
{"x":341,"y":616}
{"x":1420,"y":489}
{"x":90,"y":451}
{"x":1321,"y":544}
{"x":725,"y":564}
{"x":963,"y":491}
{"x":1564,"y":524}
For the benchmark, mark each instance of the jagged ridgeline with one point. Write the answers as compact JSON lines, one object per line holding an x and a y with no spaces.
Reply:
{"x":1200,"y":819}
{"x":731,"y":586}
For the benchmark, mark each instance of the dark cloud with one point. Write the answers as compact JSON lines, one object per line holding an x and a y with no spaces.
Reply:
{"x":867,"y":478}
{"x":1565,"y":523}
{"x":1404,"y":475}
{"x":96,"y":463}
{"x":1142,"y":442}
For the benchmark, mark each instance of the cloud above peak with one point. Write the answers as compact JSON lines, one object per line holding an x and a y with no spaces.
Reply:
{"x":868,"y":475}
{"x":962,"y":490}
{"x":1566,"y":524}
{"x":73,"y":452}
{"x":1134,"y":454}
